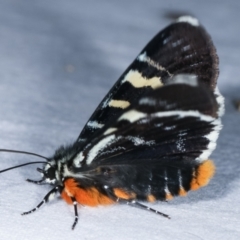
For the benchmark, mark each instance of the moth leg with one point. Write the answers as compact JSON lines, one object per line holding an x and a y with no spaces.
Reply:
{"x":139,"y":205}
{"x":75,"y":211}
{"x":133,"y":203}
{"x":48,"y":197}
{"x":39,"y":182}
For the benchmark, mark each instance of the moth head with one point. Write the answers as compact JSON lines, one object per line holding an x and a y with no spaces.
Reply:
{"x":49,"y":173}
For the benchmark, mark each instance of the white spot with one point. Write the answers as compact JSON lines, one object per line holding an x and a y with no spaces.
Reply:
{"x":94,"y":124}
{"x":119,"y":104}
{"x":67,"y":173}
{"x":189,"y":79}
{"x":148,"y":101}
{"x":105,"y":103}
{"x":212,"y":137}
{"x":181,"y":134}
{"x":189,"y":19}
{"x":182,"y":114}
{"x":166,"y":183}
{"x":180,"y":145}
{"x":177,"y":43}
{"x":77,"y":161}
{"x":166,"y":40}
{"x":189,"y":56}
{"x":166,"y":190}
{"x":109,"y":130}
{"x":168,"y":128}
{"x":106,"y":187}
{"x":140,"y":141}
{"x":220,"y":101}
{"x":144,"y":58}
{"x":81,"y":139}
{"x":47,"y":166}
{"x":158,"y":125}
{"x":99,"y":147}
{"x":185,"y":48}
{"x":144,"y":121}
{"x":138,"y":81}
{"x":165,"y":176}
{"x":119,"y":148}
{"x":132,"y":116}
{"x":180,"y":179}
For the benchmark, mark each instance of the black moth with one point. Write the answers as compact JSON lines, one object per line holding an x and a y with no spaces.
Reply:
{"x":151,"y":136}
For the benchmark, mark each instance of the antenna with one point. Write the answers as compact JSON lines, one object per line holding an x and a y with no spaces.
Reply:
{"x":24,"y":164}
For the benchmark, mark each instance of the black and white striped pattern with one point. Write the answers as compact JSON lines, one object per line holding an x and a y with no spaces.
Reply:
{"x":182,"y":116}
{"x":182,"y":47}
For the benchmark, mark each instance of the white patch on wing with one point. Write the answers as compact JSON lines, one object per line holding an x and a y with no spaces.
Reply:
{"x":105,"y":103}
{"x":67,"y":173}
{"x":189,"y":79}
{"x":140,"y":141}
{"x":119,"y":104}
{"x":148,"y":101}
{"x":186,"y":48}
{"x":81,"y":139}
{"x":109,"y":130}
{"x":189,"y":19}
{"x":99,"y":147}
{"x":113,"y":150}
{"x":94,"y":124}
{"x":177,"y":43}
{"x":166,"y":185}
{"x":138,"y":81}
{"x":165,"y":176}
{"x":182,"y":114}
{"x":153,"y":102}
{"x":132,"y":116}
{"x":180,"y":145}
{"x":78,"y":159}
{"x":212,"y":137}
{"x":180,"y":179}
{"x":220,"y":101}
{"x":144,"y":58}
{"x":168,"y":128}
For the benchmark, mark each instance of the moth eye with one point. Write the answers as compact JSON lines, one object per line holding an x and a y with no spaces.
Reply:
{"x":50,"y":173}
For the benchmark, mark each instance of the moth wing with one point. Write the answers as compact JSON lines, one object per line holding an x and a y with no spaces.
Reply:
{"x":179,"y":118}
{"x":182,"y":47}
{"x":159,"y":146}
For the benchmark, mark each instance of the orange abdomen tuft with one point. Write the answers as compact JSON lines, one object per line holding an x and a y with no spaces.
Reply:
{"x":89,"y":196}
{"x":202,"y":175}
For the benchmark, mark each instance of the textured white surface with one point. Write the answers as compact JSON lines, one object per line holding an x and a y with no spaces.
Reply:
{"x":57,"y":61}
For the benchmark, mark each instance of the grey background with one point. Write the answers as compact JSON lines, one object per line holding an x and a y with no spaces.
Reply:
{"x":57,"y":61}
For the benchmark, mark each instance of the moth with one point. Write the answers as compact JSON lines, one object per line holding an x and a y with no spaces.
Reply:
{"x":151,"y":136}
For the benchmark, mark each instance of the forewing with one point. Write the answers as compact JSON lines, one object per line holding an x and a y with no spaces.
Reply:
{"x":182,"y":47}
{"x":178,"y":121}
